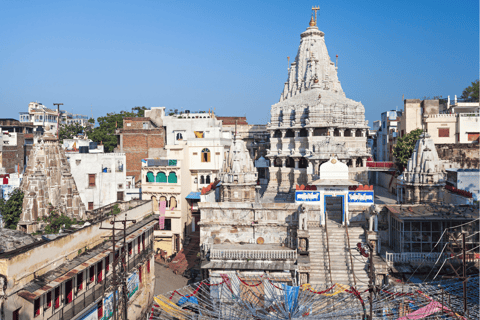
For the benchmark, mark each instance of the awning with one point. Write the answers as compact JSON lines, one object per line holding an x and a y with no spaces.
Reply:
{"x":193,"y":196}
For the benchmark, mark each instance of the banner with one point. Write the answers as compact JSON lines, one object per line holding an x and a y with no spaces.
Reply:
{"x":162,"y":209}
{"x":108,"y":306}
{"x":91,"y":315}
{"x":132,"y":284}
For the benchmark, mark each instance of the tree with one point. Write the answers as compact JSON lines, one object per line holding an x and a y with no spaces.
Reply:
{"x":105,"y":132}
{"x":68,"y":131}
{"x":471,"y":92}
{"x":55,"y":221}
{"x":403,"y":149}
{"x":12,"y":209}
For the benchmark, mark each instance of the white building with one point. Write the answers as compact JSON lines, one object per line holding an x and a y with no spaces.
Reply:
{"x":387,"y":135}
{"x":197,"y":148}
{"x":100,"y":177}
{"x":47,"y":118}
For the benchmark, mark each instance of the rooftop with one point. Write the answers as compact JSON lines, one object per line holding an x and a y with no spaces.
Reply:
{"x":433,"y":211}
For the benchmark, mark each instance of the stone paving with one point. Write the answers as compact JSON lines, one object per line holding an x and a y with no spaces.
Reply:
{"x":166,"y":280}
{"x":383,"y":197}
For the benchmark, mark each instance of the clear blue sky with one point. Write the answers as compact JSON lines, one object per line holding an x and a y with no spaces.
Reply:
{"x":228,"y":55}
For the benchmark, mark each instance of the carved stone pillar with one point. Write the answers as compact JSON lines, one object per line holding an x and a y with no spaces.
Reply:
{"x":364,"y":132}
{"x":297,"y":133}
{"x":416,"y":196}
{"x":341,"y":131}
{"x":316,"y":167}
{"x":330,"y":131}
{"x":354,"y":162}
{"x":310,"y":132}
{"x":283,"y":133}
{"x":353,"y":132}
{"x":296,"y":162}
{"x":284,"y":161}
{"x":364,"y":162}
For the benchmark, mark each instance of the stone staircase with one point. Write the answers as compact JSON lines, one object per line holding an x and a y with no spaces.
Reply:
{"x":340,"y":263}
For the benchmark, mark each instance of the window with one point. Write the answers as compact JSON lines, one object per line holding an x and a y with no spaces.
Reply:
{"x":130,"y":248}
{"x":119,"y":195}
{"x":443,"y":132}
{"x":49,"y":300}
{"x":107,"y":263}
{"x":202,"y":180}
{"x":90,"y":206}
{"x":198,"y":134}
{"x":168,"y":225}
{"x":79,"y":281}
{"x":207,"y":180}
{"x":91,"y":180}
{"x":172,"y":177}
{"x":138,"y":245}
{"x":173,"y":202}
{"x":472,"y":136}
{"x":148,"y":266}
{"x":145,"y":125}
{"x":150,"y":177}
{"x":16,"y":314}
{"x":92,"y":274}
{"x":100,"y":309}
{"x":99,"y":272}
{"x":57,"y":297}
{"x":143,"y":242}
{"x":205,"y":155}
{"x":179,"y":136}
{"x":140,"y":273}
{"x":68,"y":291}
{"x":161,"y":177}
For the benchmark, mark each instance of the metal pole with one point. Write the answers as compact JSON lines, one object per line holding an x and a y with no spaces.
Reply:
{"x":370,"y":284}
{"x":125,"y":293}
{"x":464,"y":274}
{"x":114,"y":273}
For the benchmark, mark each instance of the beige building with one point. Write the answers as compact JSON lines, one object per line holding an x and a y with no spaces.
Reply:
{"x":189,"y":166}
{"x":453,"y":122}
{"x":70,"y":275}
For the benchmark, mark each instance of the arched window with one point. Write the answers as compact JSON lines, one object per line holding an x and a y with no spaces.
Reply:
{"x":289,"y":134}
{"x":202,"y":180}
{"x":207,"y":180}
{"x":303,"y":163}
{"x":172,"y":177}
{"x":161,"y":177}
{"x":195,"y":180}
{"x":303,"y":133}
{"x":179,"y":136}
{"x":277,"y":162}
{"x":277,"y":134}
{"x":163,"y":198}
{"x":205,"y":155}
{"x":150,"y":177}
{"x":290,"y":163}
{"x":173,"y":202}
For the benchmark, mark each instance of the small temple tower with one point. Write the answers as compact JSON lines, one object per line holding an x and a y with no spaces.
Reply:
{"x":240,"y":177}
{"x":48,"y":184}
{"x":424,"y":178}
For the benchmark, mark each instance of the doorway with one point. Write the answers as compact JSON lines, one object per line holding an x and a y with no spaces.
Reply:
{"x":334,"y":209}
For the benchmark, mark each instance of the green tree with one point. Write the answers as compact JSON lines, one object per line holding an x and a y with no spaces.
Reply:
{"x":68,"y":131}
{"x":91,"y":120}
{"x":55,"y":221}
{"x":403,"y":149}
{"x":12,"y":209}
{"x":105,"y":132}
{"x":471,"y":92}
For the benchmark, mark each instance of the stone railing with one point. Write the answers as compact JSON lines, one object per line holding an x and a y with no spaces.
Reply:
{"x":253,"y":254}
{"x":442,"y":115}
{"x":470,"y":114}
{"x":406,"y":257}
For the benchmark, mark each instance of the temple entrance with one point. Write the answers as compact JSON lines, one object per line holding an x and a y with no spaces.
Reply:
{"x":334,"y":208}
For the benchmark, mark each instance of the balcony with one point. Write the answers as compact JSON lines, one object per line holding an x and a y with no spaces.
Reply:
{"x":276,"y":253}
{"x":90,"y":297}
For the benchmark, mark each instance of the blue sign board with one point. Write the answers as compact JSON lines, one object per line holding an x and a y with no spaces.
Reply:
{"x":360,"y":197}
{"x":307,"y":196}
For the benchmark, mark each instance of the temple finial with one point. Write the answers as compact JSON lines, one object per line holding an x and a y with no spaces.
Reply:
{"x":315,"y":9}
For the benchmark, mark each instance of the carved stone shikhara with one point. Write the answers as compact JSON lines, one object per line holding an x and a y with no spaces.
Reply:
{"x":314,"y":119}
{"x":48,"y":184}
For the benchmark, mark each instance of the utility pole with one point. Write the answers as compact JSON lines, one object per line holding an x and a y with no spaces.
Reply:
{"x":115,"y":281}
{"x":58,"y":117}
{"x":371,"y":282}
